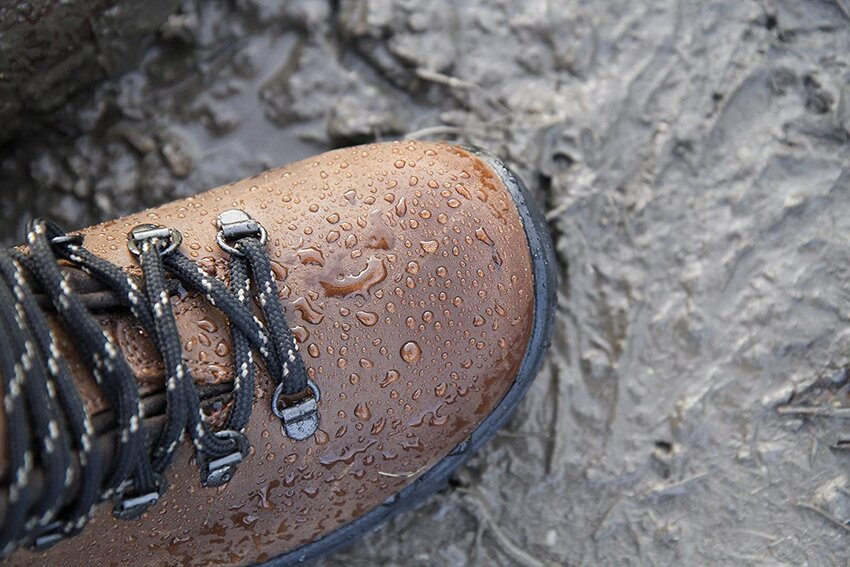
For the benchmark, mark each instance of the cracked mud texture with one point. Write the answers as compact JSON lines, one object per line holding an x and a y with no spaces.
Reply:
{"x":693,"y":159}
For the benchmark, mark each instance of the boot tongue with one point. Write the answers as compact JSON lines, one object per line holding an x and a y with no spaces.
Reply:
{"x":206,"y":350}
{"x":205,"y":334}
{"x":204,"y":330}
{"x":94,"y":295}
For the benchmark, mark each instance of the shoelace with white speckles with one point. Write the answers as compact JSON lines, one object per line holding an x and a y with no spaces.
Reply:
{"x":48,"y":427}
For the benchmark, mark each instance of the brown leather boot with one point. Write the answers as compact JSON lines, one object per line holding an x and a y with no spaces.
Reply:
{"x":152,"y":387}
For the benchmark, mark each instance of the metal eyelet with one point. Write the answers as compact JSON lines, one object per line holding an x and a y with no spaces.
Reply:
{"x":220,"y":471}
{"x":301,"y":419}
{"x":129,"y":505}
{"x":235,"y":224}
{"x":170,"y":236}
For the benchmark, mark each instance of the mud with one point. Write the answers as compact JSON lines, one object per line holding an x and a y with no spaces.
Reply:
{"x":693,"y":160}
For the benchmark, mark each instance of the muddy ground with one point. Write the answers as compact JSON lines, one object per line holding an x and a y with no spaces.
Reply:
{"x":693,"y":159}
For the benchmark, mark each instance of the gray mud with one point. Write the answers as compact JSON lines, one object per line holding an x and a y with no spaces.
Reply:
{"x":693,"y":160}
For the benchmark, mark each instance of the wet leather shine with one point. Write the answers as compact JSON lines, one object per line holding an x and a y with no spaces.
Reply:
{"x":406,"y":277}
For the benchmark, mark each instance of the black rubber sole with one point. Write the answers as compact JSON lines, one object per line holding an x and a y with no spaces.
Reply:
{"x":545,"y":301}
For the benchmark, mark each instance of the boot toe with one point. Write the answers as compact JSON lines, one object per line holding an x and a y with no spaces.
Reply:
{"x":414,"y":298}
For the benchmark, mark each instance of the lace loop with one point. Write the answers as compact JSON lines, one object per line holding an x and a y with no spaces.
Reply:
{"x":248,"y":238}
{"x":52,"y":430}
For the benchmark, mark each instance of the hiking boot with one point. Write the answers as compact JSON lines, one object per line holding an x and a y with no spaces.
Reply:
{"x":268,"y":370}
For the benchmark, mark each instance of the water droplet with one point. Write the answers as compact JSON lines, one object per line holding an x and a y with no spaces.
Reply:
{"x":391,"y":377}
{"x":308,"y":312}
{"x":333,"y":218}
{"x":300,"y":333}
{"x":367,"y":317}
{"x":429,"y":246}
{"x":412,"y":268}
{"x":379,"y":236}
{"x":453,"y":203}
{"x":482,"y":235}
{"x":374,"y":273}
{"x":280,"y":272}
{"x":411,"y":352}
{"x":311,"y":255}
{"x":222,"y":349}
{"x":362,"y":411}
{"x":207,"y":325}
{"x":399,"y":164}
{"x":378,"y":426}
{"x":401,"y":207}
{"x":346,"y":457}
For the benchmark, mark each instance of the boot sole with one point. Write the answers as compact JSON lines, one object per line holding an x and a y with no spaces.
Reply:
{"x":436,"y":478}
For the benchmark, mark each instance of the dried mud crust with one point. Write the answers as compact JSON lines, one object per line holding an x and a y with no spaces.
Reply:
{"x":692,"y":158}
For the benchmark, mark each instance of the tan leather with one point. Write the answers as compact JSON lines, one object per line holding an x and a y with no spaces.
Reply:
{"x":406,"y":276}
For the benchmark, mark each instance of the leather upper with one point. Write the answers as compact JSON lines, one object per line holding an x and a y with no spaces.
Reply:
{"x":406,"y":277}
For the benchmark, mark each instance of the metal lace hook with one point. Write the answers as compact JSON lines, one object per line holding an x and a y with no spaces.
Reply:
{"x":300,"y":419}
{"x":220,"y":471}
{"x":170,"y":236}
{"x":235,"y":224}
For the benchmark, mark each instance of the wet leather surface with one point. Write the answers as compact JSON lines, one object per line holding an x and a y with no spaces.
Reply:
{"x":406,"y":277}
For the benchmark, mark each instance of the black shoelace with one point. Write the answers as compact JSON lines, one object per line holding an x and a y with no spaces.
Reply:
{"x":47,"y":426}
